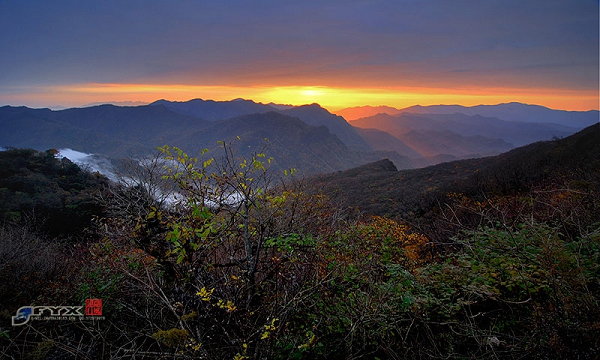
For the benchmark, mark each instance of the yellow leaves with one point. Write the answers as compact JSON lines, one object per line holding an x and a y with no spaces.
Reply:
{"x":208,"y":162}
{"x":413,"y":247}
{"x":292,"y":171}
{"x":268,"y":328}
{"x":271,"y":326}
{"x":205,"y":294}
{"x":311,"y":339}
{"x":238,"y":356}
{"x":192,"y":344}
{"x":171,"y":338}
{"x":276,"y":201}
{"x":243,"y":355}
{"x":154,"y":213}
{"x":258,"y":165}
{"x":229,"y":306}
{"x":191,"y":316}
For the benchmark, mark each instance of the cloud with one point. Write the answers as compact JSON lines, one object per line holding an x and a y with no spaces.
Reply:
{"x":329,"y":43}
{"x":91,"y":162}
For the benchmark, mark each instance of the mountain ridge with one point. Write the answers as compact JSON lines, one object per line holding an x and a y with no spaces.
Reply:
{"x":513,"y":111}
{"x":123,"y":131}
{"x":291,"y":142}
{"x":404,"y":193}
{"x":118,"y":132}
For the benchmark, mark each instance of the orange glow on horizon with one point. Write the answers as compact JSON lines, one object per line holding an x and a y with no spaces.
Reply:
{"x":329,"y":97}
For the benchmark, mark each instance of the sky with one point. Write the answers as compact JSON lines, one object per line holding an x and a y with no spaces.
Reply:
{"x":336,"y":53}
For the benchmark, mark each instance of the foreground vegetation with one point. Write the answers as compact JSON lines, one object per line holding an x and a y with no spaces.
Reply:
{"x":216,"y":257}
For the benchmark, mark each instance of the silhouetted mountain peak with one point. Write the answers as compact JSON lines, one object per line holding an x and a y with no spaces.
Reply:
{"x":381,"y":165}
{"x":314,"y":107}
{"x":316,"y":115}
{"x":384,"y":167}
{"x":280,"y":106}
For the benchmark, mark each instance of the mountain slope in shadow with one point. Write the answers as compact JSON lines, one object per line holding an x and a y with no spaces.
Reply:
{"x":409,"y":194}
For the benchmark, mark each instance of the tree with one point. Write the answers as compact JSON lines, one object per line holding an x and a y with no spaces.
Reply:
{"x":232,"y":243}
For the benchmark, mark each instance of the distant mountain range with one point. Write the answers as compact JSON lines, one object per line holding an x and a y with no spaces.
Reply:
{"x":308,"y":137}
{"x":508,"y":112}
{"x":410,"y":128}
{"x":215,"y":110}
{"x":454,"y":132}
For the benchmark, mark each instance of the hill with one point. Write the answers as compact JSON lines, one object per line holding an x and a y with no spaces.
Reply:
{"x":119,"y":132}
{"x":427,"y":137}
{"x":291,"y":142}
{"x":413,"y":195}
{"x":113,"y":131}
{"x":499,"y":258}
{"x":384,"y":141}
{"x":409,"y":140}
{"x":458,"y":136}
{"x":43,"y":191}
{"x":518,"y":133}
{"x":312,"y":114}
{"x":317,"y":116}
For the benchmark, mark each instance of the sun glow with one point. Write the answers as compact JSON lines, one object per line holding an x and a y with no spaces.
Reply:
{"x":332,"y":98}
{"x":312,"y":92}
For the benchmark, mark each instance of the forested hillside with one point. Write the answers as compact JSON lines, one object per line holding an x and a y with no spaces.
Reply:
{"x":46,"y":192}
{"x":487,"y":258}
{"x":415,"y":195}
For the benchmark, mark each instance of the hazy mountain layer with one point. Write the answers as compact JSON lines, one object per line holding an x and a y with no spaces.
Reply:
{"x":310,"y":114}
{"x":305,"y":137}
{"x":509,"y":112}
{"x":461,"y":135}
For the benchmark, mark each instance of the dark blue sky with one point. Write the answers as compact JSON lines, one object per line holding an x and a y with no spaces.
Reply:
{"x":544,"y":46}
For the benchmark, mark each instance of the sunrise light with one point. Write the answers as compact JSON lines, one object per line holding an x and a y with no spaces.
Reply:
{"x":332,"y":98}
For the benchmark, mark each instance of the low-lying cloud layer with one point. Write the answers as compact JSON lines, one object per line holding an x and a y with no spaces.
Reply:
{"x":90,"y":162}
